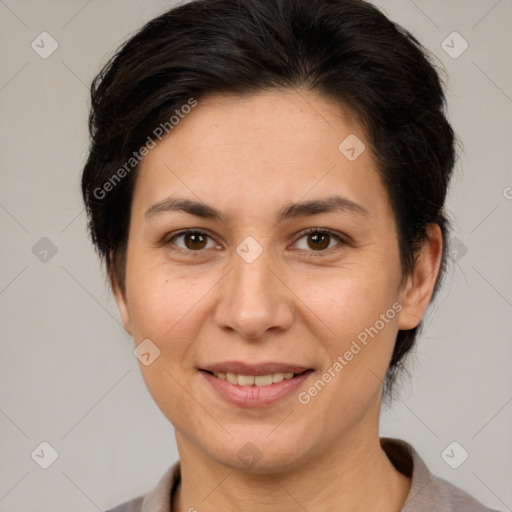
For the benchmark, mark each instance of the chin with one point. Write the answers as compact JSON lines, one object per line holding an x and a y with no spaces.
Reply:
{"x":259,"y":453}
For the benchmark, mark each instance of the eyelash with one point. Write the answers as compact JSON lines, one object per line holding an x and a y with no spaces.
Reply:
{"x":312,"y":254}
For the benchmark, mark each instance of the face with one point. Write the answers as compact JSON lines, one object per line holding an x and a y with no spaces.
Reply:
{"x":275,"y":305}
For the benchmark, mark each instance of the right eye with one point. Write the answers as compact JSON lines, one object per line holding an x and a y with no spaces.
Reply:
{"x":194,"y":240}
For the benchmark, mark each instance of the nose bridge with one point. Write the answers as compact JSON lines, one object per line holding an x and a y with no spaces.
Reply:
{"x":253,"y":299}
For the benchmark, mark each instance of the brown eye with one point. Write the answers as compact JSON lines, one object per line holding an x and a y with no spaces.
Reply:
{"x":192,"y":240}
{"x":319,"y":240}
{"x":195,"y":241}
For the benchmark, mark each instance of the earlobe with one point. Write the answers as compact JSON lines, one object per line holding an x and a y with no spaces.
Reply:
{"x":418,"y":290}
{"x":120,"y":297}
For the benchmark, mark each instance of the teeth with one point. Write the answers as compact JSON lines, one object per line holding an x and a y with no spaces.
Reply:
{"x":277,"y":377}
{"x":262,"y":380}
{"x":252,"y":380}
{"x":232,"y":378}
{"x":245,"y":380}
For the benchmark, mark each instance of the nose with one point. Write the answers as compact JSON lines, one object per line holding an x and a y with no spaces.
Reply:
{"x":253,"y":298}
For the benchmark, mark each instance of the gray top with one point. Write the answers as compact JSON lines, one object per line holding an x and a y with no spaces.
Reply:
{"x":428,"y":493}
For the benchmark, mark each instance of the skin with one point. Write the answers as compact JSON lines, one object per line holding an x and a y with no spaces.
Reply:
{"x":248,"y":157}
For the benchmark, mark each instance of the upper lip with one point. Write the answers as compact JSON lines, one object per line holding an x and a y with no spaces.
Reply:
{"x":263,"y":368}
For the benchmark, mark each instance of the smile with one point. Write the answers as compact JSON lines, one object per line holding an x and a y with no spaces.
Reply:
{"x":253,"y":386}
{"x":254,"y":380}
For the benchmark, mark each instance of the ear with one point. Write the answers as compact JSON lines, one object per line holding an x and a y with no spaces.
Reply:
{"x":419,"y":287}
{"x":120,"y":296}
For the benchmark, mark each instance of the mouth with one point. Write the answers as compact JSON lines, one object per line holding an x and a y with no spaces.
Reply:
{"x":255,"y":385}
{"x":255,"y":380}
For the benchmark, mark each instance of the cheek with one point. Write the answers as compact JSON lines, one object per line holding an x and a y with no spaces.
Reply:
{"x":164,"y":308}
{"x":163,"y":305}
{"x":349,"y":302}
{"x":359,"y":316}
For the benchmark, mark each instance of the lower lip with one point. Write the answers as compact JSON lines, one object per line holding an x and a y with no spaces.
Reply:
{"x":256,"y":396}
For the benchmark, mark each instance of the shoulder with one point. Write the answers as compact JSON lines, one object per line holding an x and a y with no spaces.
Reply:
{"x":133,"y":505}
{"x":428,"y":492}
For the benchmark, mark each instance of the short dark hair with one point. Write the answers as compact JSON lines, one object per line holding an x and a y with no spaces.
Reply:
{"x":347,"y":50}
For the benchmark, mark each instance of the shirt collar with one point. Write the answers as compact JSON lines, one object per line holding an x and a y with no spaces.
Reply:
{"x":402,"y":455}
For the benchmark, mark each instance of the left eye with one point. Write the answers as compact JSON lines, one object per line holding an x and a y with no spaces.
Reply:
{"x":319,"y":240}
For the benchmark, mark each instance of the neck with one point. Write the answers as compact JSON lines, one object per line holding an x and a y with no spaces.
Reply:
{"x":355,"y":475}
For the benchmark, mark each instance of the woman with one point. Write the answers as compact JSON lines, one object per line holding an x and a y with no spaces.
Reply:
{"x":266,"y":184}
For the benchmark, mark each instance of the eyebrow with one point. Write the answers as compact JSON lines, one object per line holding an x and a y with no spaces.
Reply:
{"x":332,"y":204}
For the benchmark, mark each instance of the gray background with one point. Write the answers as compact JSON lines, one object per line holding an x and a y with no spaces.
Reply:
{"x":68,"y":375}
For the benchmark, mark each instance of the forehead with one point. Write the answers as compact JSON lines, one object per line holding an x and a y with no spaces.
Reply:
{"x":259,"y":152}
{"x":280,"y":118}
